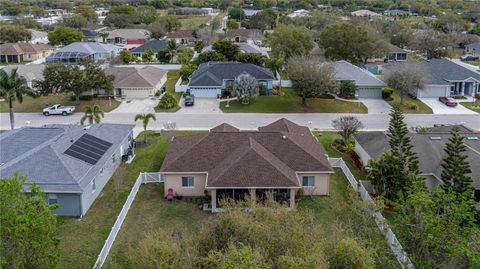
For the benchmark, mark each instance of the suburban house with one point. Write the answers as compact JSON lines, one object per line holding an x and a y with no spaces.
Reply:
{"x":251,"y":12}
{"x":23,"y":52}
{"x":128,"y":36}
{"x":155,"y":45}
{"x":366,"y":13}
{"x":212,"y":78}
{"x":38,"y":37}
{"x":91,"y":36}
{"x":280,"y":158}
{"x":244,"y":35}
{"x":131,"y":82}
{"x":429,"y":148}
{"x":80,"y":51}
{"x":473,"y":49}
{"x":368,"y":85}
{"x":299,"y":13}
{"x":183,"y":36}
{"x":247,"y":47}
{"x":31,"y":72}
{"x":443,"y":78}
{"x":396,"y":54}
{"x":70,"y":163}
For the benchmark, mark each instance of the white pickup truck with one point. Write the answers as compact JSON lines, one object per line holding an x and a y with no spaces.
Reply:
{"x":58,"y":110}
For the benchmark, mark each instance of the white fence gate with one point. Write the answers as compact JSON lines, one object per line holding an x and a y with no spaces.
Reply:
{"x":392,"y":240}
{"x":142,"y":178}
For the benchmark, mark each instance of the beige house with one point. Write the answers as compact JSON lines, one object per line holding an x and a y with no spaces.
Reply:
{"x":131,"y":82}
{"x":280,"y":158}
{"x":23,"y":52}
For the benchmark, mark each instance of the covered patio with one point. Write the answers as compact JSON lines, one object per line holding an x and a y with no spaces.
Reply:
{"x":284,"y":196}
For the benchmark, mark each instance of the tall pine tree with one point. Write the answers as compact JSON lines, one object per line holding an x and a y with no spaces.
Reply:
{"x":400,"y":142}
{"x":455,"y":165}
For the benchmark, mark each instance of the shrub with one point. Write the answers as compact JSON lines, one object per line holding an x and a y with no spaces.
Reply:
{"x":187,"y":70}
{"x":276,"y":90}
{"x":326,"y":96}
{"x":157,"y":93}
{"x":185,"y":94}
{"x":262,"y":89}
{"x":84,"y":97}
{"x":387,"y":93}
{"x":413,"y":106}
{"x":348,"y":88}
{"x":168,"y":101}
{"x":350,"y":147}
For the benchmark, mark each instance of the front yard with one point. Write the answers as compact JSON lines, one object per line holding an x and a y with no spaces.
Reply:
{"x":291,"y":103}
{"x":172,"y":78}
{"x":475,"y":106}
{"x":36,"y":105}
{"x":410,"y":105}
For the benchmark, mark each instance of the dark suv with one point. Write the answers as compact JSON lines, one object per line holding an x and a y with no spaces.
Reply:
{"x":189,"y":100}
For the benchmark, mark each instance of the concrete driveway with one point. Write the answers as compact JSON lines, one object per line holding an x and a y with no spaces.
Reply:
{"x":201,"y":106}
{"x":137,"y":106}
{"x":376,"y":106}
{"x":439,"y":108}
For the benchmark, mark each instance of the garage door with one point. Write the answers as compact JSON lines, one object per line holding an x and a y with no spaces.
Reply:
{"x":205,"y":92}
{"x":432,"y":91}
{"x":369,"y":92}
{"x":131,"y":93}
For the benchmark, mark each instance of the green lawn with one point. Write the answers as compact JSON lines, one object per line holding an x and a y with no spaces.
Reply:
{"x":82,"y":240}
{"x":172,"y":78}
{"x":472,"y":106}
{"x":192,"y":22}
{"x":408,"y":105}
{"x":476,"y":63}
{"x":31,"y":104}
{"x":291,"y":103}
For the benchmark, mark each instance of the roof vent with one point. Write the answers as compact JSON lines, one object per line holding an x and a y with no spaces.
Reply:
{"x":435,"y":138}
{"x":472,"y":138}
{"x":284,"y":137}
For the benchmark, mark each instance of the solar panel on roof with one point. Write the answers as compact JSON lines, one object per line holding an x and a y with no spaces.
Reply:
{"x":88,"y":148}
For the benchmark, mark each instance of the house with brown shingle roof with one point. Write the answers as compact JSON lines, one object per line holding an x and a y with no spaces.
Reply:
{"x":280,"y":158}
{"x":131,"y":82}
{"x":23,"y":52}
{"x":244,"y":35}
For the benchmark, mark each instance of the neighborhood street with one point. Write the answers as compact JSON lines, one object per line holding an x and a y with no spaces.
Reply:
{"x":242,"y":121}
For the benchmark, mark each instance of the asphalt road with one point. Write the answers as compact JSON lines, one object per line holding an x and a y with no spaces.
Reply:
{"x":242,"y":121}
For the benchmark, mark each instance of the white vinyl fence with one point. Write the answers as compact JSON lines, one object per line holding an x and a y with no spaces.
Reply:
{"x":179,"y":87}
{"x":392,"y":240}
{"x":142,"y":178}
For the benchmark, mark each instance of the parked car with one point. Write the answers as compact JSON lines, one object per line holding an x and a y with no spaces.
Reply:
{"x":469,"y":57}
{"x":448,"y":101}
{"x":58,"y":110}
{"x":189,"y":100}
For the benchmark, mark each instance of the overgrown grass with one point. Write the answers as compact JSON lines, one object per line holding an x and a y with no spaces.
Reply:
{"x":475,"y":106}
{"x":31,"y":104}
{"x":172,"y":78}
{"x":291,"y":103}
{"x":410,"y":105}
{"x":192,"y":22}
{"x":82,"y":240}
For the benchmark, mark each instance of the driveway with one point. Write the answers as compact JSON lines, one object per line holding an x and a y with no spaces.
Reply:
{"x":201,"y":106}
{"x":439,"y":108}
{"x":376,"y":106}
{"x":137,"y":106}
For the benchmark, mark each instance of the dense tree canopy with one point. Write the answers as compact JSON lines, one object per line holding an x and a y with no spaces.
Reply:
{"x":14,"y":33}
{"x":290,"y":40}
{"x":88,"y":12}
{"x":64,"y":35}
{"x":227,"y":48}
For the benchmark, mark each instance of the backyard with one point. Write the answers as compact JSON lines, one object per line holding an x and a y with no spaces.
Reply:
{"x":192,"y":22}
{"x":410,"y":105}
{"x":172,"y":78}
{"x":36,"y":105}
{"x":291,"y":103}
{"x":82,"y":240}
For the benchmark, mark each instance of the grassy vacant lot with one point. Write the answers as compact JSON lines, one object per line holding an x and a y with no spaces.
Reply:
{"x":192,"y":22}
{"x":172,"y":77}
{"x":291,"y":103}
{"x":82,"y":240}
{"x":472,"y":106}
{"x":408,"y":103}
{"x":31,"y":104}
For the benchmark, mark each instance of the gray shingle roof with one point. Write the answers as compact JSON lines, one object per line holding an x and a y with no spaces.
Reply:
{"x":264,"y":158}
{"x":89,"y":48}
{"x":213,"y":73}
{"x":30,"y":72}
{"x":128,"y":77}
{"x":430,"y":152}
{"x":38,"y":153}
{"x":155,"y":44}
{"x":347,"y":71}
{"x":245,"y":47}
{"x":439,"y":71}
{"x":474,"y":46}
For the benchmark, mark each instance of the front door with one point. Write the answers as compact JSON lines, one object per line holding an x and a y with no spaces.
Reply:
{"x":119,"y":93}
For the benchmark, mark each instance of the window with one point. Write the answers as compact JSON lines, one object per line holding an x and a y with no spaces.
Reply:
{"x":187,"y":182}
{"x":308,"y":181}
{"x":52,"y":199}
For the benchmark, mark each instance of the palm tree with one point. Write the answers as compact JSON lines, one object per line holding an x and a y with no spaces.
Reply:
{"x":92,"y":113}
{"x":172,"y":48}
{"x":276,"y":65}
{"x":13,"y":86}
{"x":145,"y":119}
